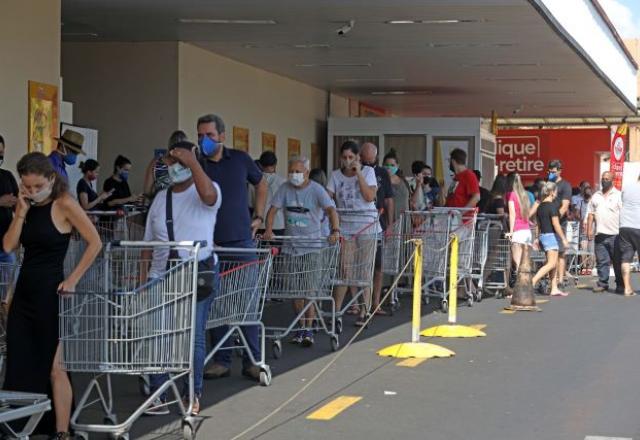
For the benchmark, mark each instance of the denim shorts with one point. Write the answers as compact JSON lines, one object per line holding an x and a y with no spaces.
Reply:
{"x":549,"y":242}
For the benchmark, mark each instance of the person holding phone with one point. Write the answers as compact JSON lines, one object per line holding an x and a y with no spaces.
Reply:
{"x":118,"y":185}
{"x":45,"y":216}
{"x":87,"y":196}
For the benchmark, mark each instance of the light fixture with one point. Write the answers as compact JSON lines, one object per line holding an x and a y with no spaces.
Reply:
{"x":312,"y":46}
{"x":354,"y":80}
{"x":502,"y":65}
{"x":522,"y":79}
{"x":401,"y":92}
{"x":443,"y":21}
{"x":335,"y":65}
{"x":80,"y":34}
{"x":468,"y":45}
{"x":224,"y":21}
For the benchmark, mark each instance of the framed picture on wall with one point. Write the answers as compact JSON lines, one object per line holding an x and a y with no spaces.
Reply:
{"x":241,"y":139}
{"x":293,"y":147}
{"x":268,"y":142}
{"x":43,"y":117}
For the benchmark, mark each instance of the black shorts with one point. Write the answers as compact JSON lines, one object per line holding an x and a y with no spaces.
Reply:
{"x":629,"y":243}
{"x":378,"y":264}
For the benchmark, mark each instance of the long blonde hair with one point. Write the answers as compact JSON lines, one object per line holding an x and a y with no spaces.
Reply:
{"x":514,"y":184}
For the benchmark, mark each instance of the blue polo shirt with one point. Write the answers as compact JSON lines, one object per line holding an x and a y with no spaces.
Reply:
{"x":58,"y":165}
{"x":232,"y":173}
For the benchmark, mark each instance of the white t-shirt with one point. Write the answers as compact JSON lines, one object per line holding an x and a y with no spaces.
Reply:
{"x":630,"y":212}
{"x":192,"y":221}
{"x":274,"y":182}
{"x":606,"y":210}
{"x":348,"y":196}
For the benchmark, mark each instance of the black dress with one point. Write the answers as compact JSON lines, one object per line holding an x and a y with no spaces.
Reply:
{"x":32,"y":327}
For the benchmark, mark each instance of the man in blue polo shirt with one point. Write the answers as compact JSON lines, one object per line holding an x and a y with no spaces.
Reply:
{"x":232,"y":170}
{"x":66,"y":153}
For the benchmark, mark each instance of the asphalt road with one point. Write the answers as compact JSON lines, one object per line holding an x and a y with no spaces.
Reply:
{"x":568,"y":372}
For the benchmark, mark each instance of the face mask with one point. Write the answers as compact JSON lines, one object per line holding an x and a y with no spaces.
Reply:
{"x":208,"y":146}
{"x":296,"y":179}
{"x":392,"y":169}
{"x":179,"y":173}
{"x":124,"y":175}
{"x":606,"y":185}
{"x":70,"y":158}
{"x":92,"y":177}
{"x":552,"y":177}
{"x":41,"y":196}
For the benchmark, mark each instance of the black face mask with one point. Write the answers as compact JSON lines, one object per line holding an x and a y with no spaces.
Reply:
{"x":606,"y":185}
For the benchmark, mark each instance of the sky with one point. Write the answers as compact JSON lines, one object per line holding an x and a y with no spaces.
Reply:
{"x":625,"y":15}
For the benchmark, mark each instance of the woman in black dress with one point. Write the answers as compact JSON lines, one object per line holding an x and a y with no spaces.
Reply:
{"x":44,"y":218}
{"x":87,"y":196}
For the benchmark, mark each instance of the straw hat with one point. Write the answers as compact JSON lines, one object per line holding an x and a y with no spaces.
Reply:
{"x":73,"y":140}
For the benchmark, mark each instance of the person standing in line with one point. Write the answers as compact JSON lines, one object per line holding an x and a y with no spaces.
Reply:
{"x":232,"y":170}
{"x":518,"y":207}
{"x":268,"y":163}
{"x":46,"y":214}
{"x":399,"y":185}
{"x":118,"y":185}
{"x":87,"y":196}
{"x":318,"y":175}
{"x":550,"y":233}
{"x":385,"y":206}
{"x":464,"y":191}
{"x":496,"y":204}
{"x":8,"y":200}
{"x":66,"y":152}
{"x":485,"y":194}
{"x":629,"y":235}
{"x":604,"y":210}
{"x":156,"y":177}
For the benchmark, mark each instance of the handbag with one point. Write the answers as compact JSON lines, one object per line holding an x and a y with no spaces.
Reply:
{"x":207,"y":272}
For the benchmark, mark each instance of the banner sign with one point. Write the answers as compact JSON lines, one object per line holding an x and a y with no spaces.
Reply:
{"x":618,"y":150}
{"x":520,"y":154}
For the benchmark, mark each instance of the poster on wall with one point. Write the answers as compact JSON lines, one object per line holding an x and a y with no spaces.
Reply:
{"x":90,"y":146}
{"x":293,"y":147}
{"x":618,"y":151}
{"x":316,"y":156}
{"x":268,"y":142}
{"x":443,"y":149}
{"x":43,"y":117}
{"x":241,"y":139}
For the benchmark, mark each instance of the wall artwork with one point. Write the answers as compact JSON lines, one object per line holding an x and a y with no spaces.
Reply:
{"x":268,"y":142}
{"x":293,"y":148}
{"x":43,"y":117}
{"x":241,"y":139}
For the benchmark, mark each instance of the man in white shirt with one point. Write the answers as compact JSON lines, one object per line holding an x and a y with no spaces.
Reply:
{"x":195,"y":201}
{"x":604,"y":208}
{"x":629,"y":231}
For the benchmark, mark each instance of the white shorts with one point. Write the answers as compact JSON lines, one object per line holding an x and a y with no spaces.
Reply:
{"x":522,"y":236}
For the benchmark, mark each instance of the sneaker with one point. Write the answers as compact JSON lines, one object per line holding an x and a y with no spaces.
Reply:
{"x":307,"y":341}
{"x":158,"y":408}
{"x":297,"y":337}
{"x":217,"y":371}
{"x":252,"y":372}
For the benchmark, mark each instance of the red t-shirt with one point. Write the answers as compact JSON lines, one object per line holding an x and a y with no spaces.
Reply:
{"x":464,"y":186}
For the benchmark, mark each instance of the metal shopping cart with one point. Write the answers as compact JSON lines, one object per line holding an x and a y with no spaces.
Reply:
{"x":303,"y":269}
{"x":244,"y":275}
{"x":360,"y":231}
{"x":581,"y":251}
{"x":140,"y":327}
{"x":391,"y":252}
{"x":8,"y":277}
{"x":435,"y":228}
{"x":496,"y":249}
{"x":15,"y":406}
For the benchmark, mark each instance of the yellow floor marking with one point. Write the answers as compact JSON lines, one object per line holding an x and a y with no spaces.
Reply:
{"x":542,"y":301}
{"x":333,"y":408}
{"x":411,"y":362}
{"x":507,"y":312}
{"x":479,"y":326}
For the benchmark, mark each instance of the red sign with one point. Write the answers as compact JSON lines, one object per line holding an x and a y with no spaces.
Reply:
{"x":616,"y":163}
{"x":520,"y":154}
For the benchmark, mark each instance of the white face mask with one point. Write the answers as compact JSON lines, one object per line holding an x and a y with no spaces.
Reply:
{"x":296,"y":179}
{"x":41,"y":196}
{"x":178,"y":173}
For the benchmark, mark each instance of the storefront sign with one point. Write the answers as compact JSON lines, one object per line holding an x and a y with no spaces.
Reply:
{"x":520,"y":154}
{"x":616,"y":163}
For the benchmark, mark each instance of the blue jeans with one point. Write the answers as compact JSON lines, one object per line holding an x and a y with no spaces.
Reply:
{"x":9,"y":258}
{"x":251,"y":332}
{"x":200,"y":345}
{"x":607,"y":252}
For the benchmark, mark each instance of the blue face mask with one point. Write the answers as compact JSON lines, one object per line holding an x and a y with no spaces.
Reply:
{"x":124,"y":175}
{"x":70,"y":158}
{"x":208,"y":146}
{"x":552,"y":177}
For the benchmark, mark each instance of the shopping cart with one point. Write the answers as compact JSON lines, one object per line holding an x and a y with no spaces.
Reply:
{"x":244,"y":275}
{"x":359,"y":229}
{"x":581,"y":251}
{"x":15,"y":406}
{"x":435,"y":228}
{"x":8,"y":277}
{"x":122,"y":224}
{"x":496,"y":250}
{"x":142,"y":327}
{"x":392,"y":240}
{"x":303,"y":269}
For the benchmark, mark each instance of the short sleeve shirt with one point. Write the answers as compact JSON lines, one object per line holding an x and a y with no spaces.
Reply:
{"x":546,"y":212}
{"x":385,"y":191}
{"x":348,"y":196}
{"x":462,"y":189}
{"x":232,"y":173}
{"x":120,"y":189}
{"x":303,"y":208}
{"x":58,"y":165}
{"x":564,"y":193}
{"x":606,"y":210}
{"x":8,"y":185}
{"x":630,"y":213}
{"x":84,"y":187}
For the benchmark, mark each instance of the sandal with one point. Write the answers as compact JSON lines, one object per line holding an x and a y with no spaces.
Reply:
{"x":361,"y":322}
{"x":353,"y":310}
{"x":630,"y":294}
{"x":559,"y":293}
{"x":381,"y":312}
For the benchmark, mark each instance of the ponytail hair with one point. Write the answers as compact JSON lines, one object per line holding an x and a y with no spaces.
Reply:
{"x":89,"y":165}
{"x":547,"y":189}
{"x":38,"y":164}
